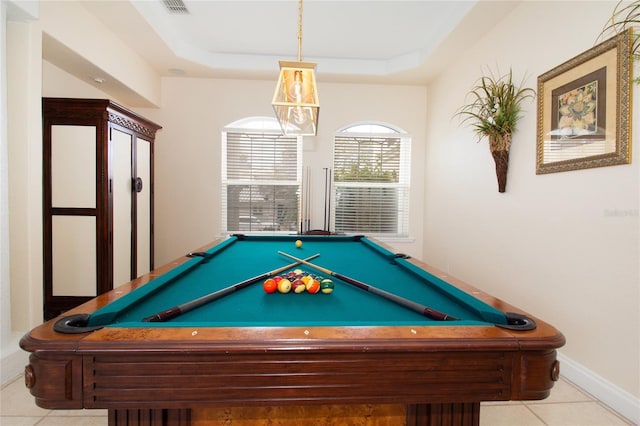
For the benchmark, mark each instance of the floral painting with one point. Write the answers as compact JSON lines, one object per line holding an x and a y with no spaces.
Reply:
{"x":577,"y":111}
{"x":584,"y":109}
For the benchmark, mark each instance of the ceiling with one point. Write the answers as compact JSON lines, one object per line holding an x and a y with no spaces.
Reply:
{"x":226,"y":38}
{"x":365,"y":41}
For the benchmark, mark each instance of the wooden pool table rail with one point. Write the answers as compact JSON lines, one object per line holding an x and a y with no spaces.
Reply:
{"x":173,"y":371}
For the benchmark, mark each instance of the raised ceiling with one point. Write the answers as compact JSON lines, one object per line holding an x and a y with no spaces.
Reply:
{"x":367,"y":41}
{"x":247,"y":38}
{"x":343,"y":37}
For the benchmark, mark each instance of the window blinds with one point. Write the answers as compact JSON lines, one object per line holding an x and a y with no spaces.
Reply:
{"x":371,"y":176}
{"x":261,"y":180}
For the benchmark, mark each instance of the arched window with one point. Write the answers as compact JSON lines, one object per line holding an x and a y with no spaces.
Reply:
{"x":371,"y":166}
{"x":261,"y":176}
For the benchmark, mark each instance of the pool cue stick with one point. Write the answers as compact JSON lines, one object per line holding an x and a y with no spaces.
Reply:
{"x":309,"y":196}
{"x":324,"y":224}
{"x":300,"y":205}
{"x":329,"y":202}
{"x":303,"y":200}
{"x":195,"y":303}
{"x":308,"y":199}
{"x":421,"y":309}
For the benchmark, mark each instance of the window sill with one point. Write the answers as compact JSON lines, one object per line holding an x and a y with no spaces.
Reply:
{"x":384,"y":239}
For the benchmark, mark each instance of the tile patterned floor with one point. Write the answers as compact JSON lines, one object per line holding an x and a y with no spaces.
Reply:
{"x":567,"y":406}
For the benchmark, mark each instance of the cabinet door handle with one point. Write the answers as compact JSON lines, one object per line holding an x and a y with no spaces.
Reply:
{"x":136,"y":184}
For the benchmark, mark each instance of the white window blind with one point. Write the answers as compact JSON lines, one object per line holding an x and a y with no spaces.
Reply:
{"x":261,"y":181}
{"x":371,"y":180}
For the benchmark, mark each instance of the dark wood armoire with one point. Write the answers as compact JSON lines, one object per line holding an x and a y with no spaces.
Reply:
{"x":98,"y":199}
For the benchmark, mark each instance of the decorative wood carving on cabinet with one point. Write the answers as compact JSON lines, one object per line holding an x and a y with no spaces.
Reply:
{"x":98,"y":199}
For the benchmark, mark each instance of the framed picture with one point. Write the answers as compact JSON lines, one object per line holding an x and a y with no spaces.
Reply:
{"x":584,"y":109}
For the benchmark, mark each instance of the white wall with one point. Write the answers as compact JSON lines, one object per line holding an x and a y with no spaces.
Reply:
{"x":187,"y":149}
{"x":550,"y":244}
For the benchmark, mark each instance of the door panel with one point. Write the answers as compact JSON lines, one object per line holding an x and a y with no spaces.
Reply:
{"x":121,"y":144}
{"x":143,"y":203}
{"x":74,"y":255}
{"x":73,"y":166}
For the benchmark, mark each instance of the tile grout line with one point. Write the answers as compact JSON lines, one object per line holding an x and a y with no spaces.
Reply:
{"x":536,"y":415}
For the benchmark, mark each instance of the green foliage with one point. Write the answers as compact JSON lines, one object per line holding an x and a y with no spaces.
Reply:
{"x":494,"y":107}
{"x":622,"y":18}
{"x":359,"y":172}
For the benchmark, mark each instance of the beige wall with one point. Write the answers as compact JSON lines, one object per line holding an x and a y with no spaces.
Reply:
{"x":548,"y":245}
{"x":71,"y":25}
{"x":58,"y":84}
{"x":25,"y":172}
{"x":187,"y":150}
{"x":551,"y":243}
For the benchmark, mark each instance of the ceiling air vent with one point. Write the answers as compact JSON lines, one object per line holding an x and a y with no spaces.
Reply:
{"x":175,"y":6}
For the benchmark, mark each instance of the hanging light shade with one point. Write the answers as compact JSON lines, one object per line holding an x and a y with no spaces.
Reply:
{"x":295,"y":100}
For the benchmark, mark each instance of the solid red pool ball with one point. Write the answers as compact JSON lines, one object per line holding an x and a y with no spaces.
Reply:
{"x":270,"y":285}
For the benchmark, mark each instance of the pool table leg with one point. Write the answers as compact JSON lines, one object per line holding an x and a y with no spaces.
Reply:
{"x":450,"y":414}
{"x":150,"y":417}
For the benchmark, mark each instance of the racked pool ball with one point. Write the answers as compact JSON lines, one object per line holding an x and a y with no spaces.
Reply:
{"x":270,"y":285}
{"x":298,"y":243}
{"x":326,"y":286}
{"x":298,"y":286}
{"x":313,"y":286}
{"x":284,"y":286}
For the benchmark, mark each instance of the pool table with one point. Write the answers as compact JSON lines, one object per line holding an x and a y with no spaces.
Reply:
{"x":370,"y":352}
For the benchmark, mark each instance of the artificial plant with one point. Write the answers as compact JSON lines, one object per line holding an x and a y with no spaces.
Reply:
{"x":623,"y":17}
{"x":493,"y":111}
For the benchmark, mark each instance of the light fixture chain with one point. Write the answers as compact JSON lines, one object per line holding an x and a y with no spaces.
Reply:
{"x":295,"y":100}
{"x":299,"y":30}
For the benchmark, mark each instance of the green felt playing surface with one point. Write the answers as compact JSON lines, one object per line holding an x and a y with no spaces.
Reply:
{"x":239,"y":258}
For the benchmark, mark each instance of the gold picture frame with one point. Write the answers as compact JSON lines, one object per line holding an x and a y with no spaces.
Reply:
{"x":584,"y":109}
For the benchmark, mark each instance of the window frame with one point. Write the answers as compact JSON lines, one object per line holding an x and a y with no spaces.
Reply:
{"x":248,"y":126}
{"x":402,"y":186}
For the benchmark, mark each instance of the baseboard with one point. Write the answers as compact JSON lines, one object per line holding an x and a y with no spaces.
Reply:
{"x":13,"y":361}
{"x":619,"y":400}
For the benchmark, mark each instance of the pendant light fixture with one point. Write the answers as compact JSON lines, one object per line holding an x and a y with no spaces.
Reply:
{"x":295,"y":100}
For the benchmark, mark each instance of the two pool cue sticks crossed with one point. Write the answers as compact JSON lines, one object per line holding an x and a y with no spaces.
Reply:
{"x":410,"y":304}
{"x":193,"y":304}
{"x":188,"y":306}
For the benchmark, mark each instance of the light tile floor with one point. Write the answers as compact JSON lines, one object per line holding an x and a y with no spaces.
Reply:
{"x":568,"y":405}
